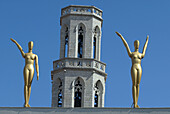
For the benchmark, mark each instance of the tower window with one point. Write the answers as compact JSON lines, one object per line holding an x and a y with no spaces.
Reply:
{"x":98,"y":94}
{"x":59,"y":95}
{"x":96,"y":99}
{"x":80,"y":42}
{"x":66,"y":42}
{"x":60,"y":99}
{"x":78,"y":94}
{"x":94,"y":47}
{"x":77,"y":99}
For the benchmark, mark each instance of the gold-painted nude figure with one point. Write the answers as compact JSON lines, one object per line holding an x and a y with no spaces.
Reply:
{"x":136,"y":70}
{"x":28,"y":70}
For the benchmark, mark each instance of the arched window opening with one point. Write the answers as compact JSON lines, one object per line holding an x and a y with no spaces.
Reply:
{"x":96,"y":42}
{"x":98,"y":89}
{"x":60,"y":99}
{"x":66,"y":42}
{"x":94,"y":47}
{"x":80,"y":42}
{"x":59,"y":94}
{"x":77,"y":99}
{"x":96,"y":100}
{"x":78,"y":93}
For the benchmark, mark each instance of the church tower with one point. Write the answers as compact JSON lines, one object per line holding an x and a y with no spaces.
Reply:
{"x":78,"y":77}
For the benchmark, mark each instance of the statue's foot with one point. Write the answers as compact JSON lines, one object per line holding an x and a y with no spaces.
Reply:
{"x":26,"y":105}
{"x":136,"y":106}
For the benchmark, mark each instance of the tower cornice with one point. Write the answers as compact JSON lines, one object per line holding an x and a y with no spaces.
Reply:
{"x":78,"y":10}
{"x":86,"y":63}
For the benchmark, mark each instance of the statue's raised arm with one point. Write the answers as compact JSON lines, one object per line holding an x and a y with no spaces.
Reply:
{"x":125,"y":43}
{"x":145,"y":46}
{"x":19,"y":47}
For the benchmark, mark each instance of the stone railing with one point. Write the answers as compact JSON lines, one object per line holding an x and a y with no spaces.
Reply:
{"x":73,"y":9}
{"x":79,"y":63}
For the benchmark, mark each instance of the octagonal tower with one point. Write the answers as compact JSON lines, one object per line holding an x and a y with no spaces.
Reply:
{"x":79,"y":75}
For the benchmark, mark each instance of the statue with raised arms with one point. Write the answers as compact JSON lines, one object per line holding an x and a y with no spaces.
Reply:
{"x":28,"y":70}
{"x":136,"y":70}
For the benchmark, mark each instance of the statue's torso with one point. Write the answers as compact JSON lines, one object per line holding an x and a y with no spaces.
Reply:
{"x":29,"y":60}
{"x":136,"y":59}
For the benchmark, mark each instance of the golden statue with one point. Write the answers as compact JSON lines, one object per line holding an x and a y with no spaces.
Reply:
{"x":136,"y":70}
{"x":28,"y":70}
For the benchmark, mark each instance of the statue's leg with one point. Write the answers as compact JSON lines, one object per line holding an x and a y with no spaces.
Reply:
{"x":26,"y":74}
{"x":134,"y":83}
{"x":31,"y":74}
{"x":139,"y":74}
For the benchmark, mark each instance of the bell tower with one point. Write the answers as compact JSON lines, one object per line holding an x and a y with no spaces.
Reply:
{"x":78,"y":77}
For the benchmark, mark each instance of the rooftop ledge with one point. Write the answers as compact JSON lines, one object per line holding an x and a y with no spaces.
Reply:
{"x":78,"y":9}
{"x":49,"y":110}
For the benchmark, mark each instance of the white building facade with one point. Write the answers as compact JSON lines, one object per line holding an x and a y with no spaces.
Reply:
{"x":78,"y":77}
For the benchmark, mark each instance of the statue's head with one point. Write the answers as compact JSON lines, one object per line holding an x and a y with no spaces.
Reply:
{"x":30,"y":45}
{"x":136,"y":44}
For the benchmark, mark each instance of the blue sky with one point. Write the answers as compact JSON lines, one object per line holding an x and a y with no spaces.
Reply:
{"x":39,"y":21}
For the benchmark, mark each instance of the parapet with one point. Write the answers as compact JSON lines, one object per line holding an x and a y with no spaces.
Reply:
{"x":81,"y":10}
